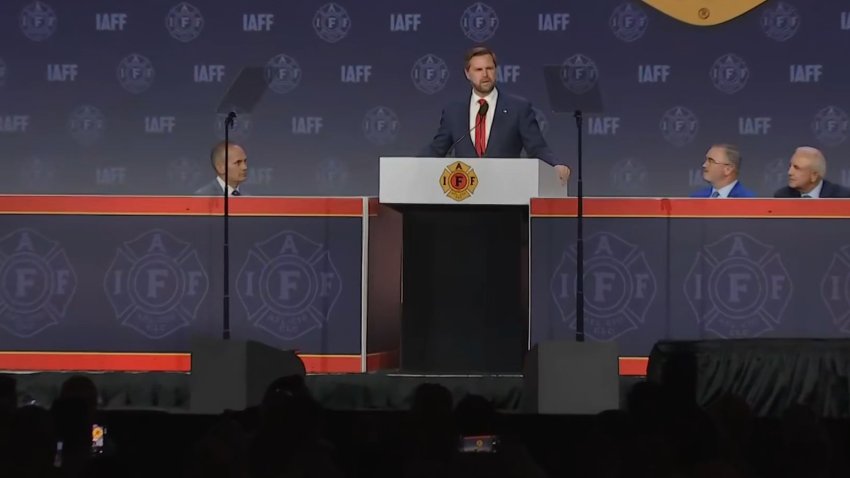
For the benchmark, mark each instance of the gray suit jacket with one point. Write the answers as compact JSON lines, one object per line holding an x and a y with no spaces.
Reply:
{"x":214,"y":189}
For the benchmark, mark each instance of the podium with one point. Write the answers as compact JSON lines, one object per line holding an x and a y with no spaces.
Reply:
{"x":465,"y":257}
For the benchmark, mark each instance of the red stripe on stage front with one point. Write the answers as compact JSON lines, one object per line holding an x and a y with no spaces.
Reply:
{"x":682,"y":207}
{"x":182,"y":362}
{"x":331,"y":363}
{"x":633,"y":366}
{"x":94,"y":362}
{"x":353,"y":206}
{"x":180,"y":205}
{"x":145,"y":362}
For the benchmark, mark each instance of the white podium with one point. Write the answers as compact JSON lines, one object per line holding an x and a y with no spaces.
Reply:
{"x":476,"y":181}
{"x":464,"y":287}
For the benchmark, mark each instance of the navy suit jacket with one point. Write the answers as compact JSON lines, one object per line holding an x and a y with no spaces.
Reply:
{"x":828,"y":190}
{"x":514,"y":128}
{"x":739,"y":191}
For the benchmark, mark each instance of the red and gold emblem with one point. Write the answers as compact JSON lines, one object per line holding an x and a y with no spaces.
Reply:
{"x":458,"y":181}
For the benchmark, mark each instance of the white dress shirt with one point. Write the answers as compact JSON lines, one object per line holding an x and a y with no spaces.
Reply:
{"x":491,"y":113}
{"x":725,"y":190}
{"x":814,"y":193}
{"x":230,"y":188}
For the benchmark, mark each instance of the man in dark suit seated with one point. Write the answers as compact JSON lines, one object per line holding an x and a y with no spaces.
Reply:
{"x":506,"y":128}
{"x":806,"y":177}
{"x":237,"y":170}
{"x":720,"y":169}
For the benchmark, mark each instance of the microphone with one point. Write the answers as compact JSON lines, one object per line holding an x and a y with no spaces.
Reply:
{"x":231,"y":117}
{"x":482,"y":112}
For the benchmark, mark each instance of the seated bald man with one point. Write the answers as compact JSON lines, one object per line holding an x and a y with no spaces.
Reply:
{"x":806,"y":174}
{"x":236,"y":171}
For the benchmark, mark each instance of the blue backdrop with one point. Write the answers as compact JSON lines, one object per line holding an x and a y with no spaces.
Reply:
{"x":120,"y":96}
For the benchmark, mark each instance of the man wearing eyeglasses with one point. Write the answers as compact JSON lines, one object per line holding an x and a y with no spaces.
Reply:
{"x":806,"y":177}
{"x":720,"y":169}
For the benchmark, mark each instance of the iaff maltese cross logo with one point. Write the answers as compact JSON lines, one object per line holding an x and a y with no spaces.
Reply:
{"x":835,"y":289}
{"x":738,"y":287}
{"x":37,"y":283}
{"x":458,"y":181}
{"x":288,"y":285}
{"x":156,"y":284}
{"x":619,"y":286}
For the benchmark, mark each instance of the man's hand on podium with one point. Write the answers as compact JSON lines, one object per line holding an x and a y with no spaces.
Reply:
{"x":563,"y":173}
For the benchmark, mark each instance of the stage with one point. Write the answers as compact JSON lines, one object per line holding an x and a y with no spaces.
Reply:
{"x":118,"y":289}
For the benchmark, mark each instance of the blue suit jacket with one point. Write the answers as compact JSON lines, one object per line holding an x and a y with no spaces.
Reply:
{"x":738,"y":191}
{"x":514,"y":128}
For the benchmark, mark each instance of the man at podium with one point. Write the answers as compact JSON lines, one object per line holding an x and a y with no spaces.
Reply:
{"x":465,"y":269}
{"x":491,"y":123}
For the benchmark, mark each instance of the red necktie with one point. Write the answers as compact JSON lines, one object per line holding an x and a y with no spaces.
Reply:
{"x":481,"y":132}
